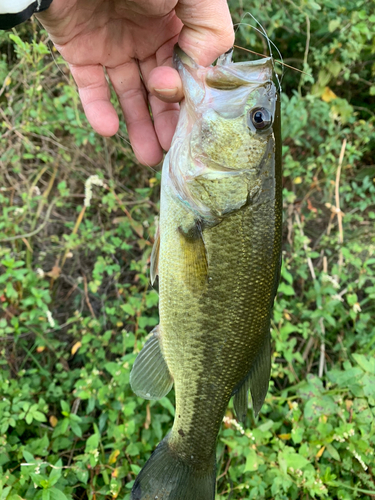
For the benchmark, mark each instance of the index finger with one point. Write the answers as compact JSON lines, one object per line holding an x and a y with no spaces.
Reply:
{"x":95,"y":96}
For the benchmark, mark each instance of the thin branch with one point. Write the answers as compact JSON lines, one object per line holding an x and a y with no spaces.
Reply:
{"x":87,"y":297}
{"x":309,"y":261}
{"x":337,"y":197}
{"x":322,"y":349}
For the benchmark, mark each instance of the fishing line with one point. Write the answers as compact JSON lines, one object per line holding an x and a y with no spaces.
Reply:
{"x":276,"y":60}
{"x":270,"y":43}
{"x":135,"y":150}
{"x":271,"y":54}
{"x":263,"y":31}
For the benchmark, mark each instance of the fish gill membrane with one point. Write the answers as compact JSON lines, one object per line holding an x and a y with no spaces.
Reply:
{"x":217,"y":254}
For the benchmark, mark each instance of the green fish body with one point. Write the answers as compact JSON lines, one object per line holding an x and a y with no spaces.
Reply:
{"x":217,"y":255}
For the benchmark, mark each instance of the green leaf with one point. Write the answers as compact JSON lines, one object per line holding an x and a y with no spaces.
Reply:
{"x":286,"y":329}
{"x":286,"y":289}
{"x":37,"y":415}
{"x":294,"y":460}
{"x":10,"y":291}
{"x":57,"y":494}
{"x":367,"y":363}
{"x":252,"y":461}
{"x":333,"y":452}
{"x":46,"y":494}
{"x":165,"y":402}
{"x":132,"y":449}
{"x":135,"y":468}
{"x":17,"y":40}
{"x":38,"y":479}
{"x":266,"y":426}
{"x":334,"y":24}
{"x":92,"y":443}
{"x":65,"y":406}
{"x":76,"y":428}
{"x":82,"y":473}
{"x":56,"y":470}
{"x":28,"y":457}
{"x":128,"y":309}
{"x":4,"y":492}
{"x":317,"y":406}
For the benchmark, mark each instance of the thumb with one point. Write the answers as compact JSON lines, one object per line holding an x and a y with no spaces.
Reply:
{"x":208,"y":30}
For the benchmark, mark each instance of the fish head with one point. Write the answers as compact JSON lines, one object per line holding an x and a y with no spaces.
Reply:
{"x":230,"y":111}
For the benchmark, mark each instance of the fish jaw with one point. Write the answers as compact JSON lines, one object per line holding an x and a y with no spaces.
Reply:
{"x":215,"y":135}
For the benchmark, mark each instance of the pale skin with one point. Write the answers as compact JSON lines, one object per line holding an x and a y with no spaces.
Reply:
{"x":132,"y":40}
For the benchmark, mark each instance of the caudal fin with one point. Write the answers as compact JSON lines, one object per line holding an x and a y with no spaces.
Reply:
{"x":166,"y":477}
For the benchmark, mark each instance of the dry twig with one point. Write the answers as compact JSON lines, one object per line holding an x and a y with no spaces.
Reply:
{"x":87,"y":297}
{"x":337,"y":197}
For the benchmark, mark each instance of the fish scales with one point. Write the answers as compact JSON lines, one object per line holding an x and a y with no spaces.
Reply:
{"x":225,"y":330}
{"x":218,"y":249}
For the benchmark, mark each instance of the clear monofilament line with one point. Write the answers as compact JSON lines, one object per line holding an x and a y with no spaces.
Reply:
{"x":270,"y":43}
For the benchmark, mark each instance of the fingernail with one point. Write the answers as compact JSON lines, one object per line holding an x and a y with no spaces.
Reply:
{"x":167,"y":92}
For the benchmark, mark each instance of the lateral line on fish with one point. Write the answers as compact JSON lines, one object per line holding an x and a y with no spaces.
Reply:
{"x":276,"y":60}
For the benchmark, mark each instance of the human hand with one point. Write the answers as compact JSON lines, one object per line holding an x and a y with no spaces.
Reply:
{"x":133,"y":40}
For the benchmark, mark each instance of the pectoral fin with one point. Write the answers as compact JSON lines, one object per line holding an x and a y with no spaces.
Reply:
{"x":257,"y":381}
{"x":150,"y":377}
{"x":154,"y":265}
{"x":195,"y":258}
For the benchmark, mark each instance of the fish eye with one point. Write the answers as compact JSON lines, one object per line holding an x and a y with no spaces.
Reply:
{"x":261,"y":118}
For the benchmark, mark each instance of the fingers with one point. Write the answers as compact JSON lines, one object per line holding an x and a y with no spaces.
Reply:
{"x":146,"y":140}
{"x":95,"y":96}
{"x":133,"y":99}
{"x":208,"y":29}
{"x":163,"y":83}
{"x":165,"y":120}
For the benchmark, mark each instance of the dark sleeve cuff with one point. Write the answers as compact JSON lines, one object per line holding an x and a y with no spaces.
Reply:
{"x":21,"y":11}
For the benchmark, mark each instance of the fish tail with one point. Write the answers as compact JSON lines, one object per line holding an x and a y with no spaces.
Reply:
{"x":166,"y":476}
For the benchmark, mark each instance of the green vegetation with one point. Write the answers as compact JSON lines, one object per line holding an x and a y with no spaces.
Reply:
{"x":76,"y":303}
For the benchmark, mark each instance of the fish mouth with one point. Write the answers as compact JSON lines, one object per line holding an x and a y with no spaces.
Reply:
{"x":227,"y":75}
{"x":179,"y":56}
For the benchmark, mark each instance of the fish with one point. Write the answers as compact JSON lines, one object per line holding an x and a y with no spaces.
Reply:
{"x":217,"y":255}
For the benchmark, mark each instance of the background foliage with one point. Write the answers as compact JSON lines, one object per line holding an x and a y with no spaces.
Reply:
{"x":75,"y":298}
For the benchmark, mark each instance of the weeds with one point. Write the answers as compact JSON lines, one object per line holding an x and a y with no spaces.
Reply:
{"x":76,"y":229}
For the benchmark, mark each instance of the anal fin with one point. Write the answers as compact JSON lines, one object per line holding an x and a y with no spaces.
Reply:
{"x":257,"y":381}
{"x":150,"y":377}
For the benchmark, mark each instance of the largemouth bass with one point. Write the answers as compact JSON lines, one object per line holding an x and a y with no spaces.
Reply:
{"x":217,"y":255}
